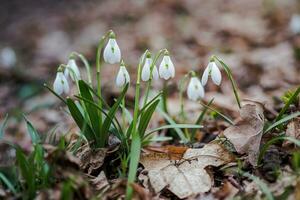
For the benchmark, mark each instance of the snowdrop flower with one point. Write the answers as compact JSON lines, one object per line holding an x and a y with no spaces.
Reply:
{"x":123,"y":77}
{"x":295,"y":24}
{"x":73,"y":70}
{"x":212,"y":70}
{"x":147,"y":69}
{"x":8,"y":57}
{"x":112,"y":52}
{"x":195,"y":90}
{"x":166,"y":68}
{"x":60,"y":84}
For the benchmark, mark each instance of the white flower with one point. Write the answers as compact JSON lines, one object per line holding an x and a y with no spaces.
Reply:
{"x":73,"y":70}
{"x":112,"y":52}
{"x":122,"y":77}
{"x":166,"y":68}
{"x":295,"y":24}
{"x":146,"y":70}
{"x":212,"y":70}
{"x":60,"y":84}
{"x":8,"y":57}
{"x":195,"y":90}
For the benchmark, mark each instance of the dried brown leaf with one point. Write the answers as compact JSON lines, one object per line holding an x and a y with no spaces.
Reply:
{"x":246,"y":134}
{"x":91,"y":159}
{"x":188,"y":176}
{"x":100,"y":182}
{"x":293,"y":130}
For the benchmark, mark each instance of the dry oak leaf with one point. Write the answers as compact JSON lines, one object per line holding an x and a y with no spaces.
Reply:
{"x":185,"y":177}
{"x":246,"y":134}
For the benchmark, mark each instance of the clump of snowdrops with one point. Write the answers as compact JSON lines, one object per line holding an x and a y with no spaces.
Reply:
{"x":97,"y":120}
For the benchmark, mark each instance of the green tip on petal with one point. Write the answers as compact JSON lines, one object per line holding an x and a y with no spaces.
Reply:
{"x":112,"y":35}
{"x":148,"y":54}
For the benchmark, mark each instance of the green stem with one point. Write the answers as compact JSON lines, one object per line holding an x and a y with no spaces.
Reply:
{"x":136,"y":140}
{"x":98,"y":67}
{"x":164,"y":97}
{"x":86,"y":64}
{"x":123,"y":115}
{"x":233,"y":83}
{"x":181,"y":99}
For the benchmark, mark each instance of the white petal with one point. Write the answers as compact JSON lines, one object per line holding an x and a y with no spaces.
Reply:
{"x":120,"y":80}
{"x":66,"y":72}
{"x":195,"y":90}
{"x":65,"y":84}
{"x":74,"y":70}
{"x":205,"y":75}
{"x":164,"y":71}
{"x":57,"y":86}
{"x":112,"y":52}
{"x":216,"y":74}
{"x":155,"y":73}
{"x":171,"y":67}
{"x":146,"y":70}
{"x":126,"y":74}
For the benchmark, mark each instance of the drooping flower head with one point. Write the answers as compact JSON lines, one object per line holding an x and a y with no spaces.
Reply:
{"x":73,"y":70}
{"x":146,"y":71}
{"x":112,"y":52}
{"x":123,"y":76}
{"x":166,"y":68}
{"x":195,"y":90}
{"x":213,"y":71}
{"x":60,"y":84}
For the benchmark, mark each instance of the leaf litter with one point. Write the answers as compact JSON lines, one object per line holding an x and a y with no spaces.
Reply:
{"x":187,"y":176}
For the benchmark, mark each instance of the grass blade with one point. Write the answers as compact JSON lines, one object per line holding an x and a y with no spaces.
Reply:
{"x":281,"y":121}
{"x":57,"y":95}
{"x":219,"y":113}
{"x":200,"y":118}
{"x":3,"y":125}
{"x":288,"y":103}
{"x":173,"y":123}
{"x":173,"y":126}
{"x":272,"y":141}
{"x":8,"y":184}
{"x":263,"y":187}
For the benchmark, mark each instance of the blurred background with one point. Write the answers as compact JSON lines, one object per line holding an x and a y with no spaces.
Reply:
{"x":258,"y":39}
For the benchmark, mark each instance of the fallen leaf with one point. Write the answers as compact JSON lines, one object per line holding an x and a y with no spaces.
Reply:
{"x":100,"y":182}
{"x":91,"y":159}
{"x":246,"y":134}
{"x":185,"y":177}
{"x":293,"y":130}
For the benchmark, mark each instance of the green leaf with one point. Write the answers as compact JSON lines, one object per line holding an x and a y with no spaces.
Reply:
{"x":281,"y":121}
{"x":288,"y":103}
{"x":108,"y":120}
{"x":200,"y":118}
{"x":8,"y":183}
{"x":81,"y":123}
{"x":3,"y":125}
{"x":92,"y":112}
{"x":116,"y":125}
{"x":57,"y":95}
{"x":173,"y":126}
{"x":272,"y":141}
{"x":173,"y":123}
{"x":27,"y":172}
{"x":35,"y":138}
{"x":263,"y":187}
{"x":146,"y":117}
